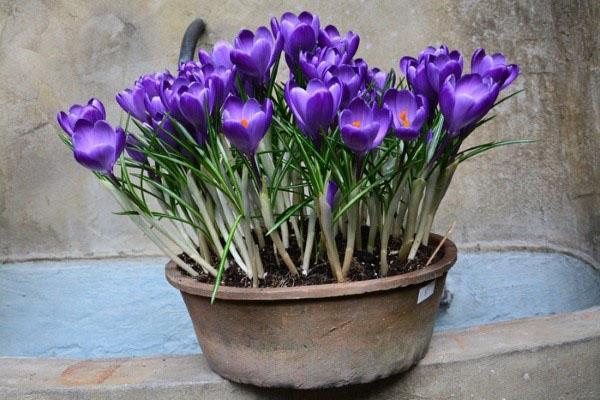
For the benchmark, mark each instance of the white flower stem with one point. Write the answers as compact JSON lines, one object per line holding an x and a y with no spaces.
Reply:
{"x":425,"y":212}
{"x":325,"y":219}
{"x":310,"y":239}
{"x":265,"y":206}
{"x":418,"y":185}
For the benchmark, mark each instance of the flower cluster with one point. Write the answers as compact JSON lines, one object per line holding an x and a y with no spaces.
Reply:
{"x":233,"y":157}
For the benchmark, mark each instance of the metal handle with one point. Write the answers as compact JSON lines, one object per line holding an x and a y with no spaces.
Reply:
{"x":190,"y":38}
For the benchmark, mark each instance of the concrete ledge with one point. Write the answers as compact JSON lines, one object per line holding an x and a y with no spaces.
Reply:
{"x":555,"y":357}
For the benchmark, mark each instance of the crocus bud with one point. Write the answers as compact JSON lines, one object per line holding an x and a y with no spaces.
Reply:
{"x":195,"y":105}
{"x":97,"y":146}
{"x":255,"y":53}
{"x":316,"y":107}
{"x":466,"y":100}
{"x":331,"y":193}
{"x":245,"y":124}
{"x":351,"y":79}
{"x":220,"y":56}
{"x":93,"y":111}
{"x":299,"y":33}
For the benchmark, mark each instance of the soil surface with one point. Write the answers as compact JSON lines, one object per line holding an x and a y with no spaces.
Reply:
{"x":364,"y":266}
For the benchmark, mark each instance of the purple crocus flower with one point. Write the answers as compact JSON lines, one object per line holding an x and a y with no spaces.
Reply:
{"x":466,"y":100}
{"x":315,"y":107}
{"x":195,"y":105}
{"x":347,"y":46}
{"x":427,"y":73}
{"x":220,"y":56}
{"x":133,"y":102}
{"x":409,"y":112}
{"x":351,"y":79}
{"x":494,"y":66}
{"x":97,"y":146}
{"x":378,"y":79}
{"x":299,"y":33}
{"x":255,"y":54}
{"x":170,"y":96}
{"x":362,"y":127}
{"x":442,"y":64}
{"x":219,"y":78}
{"x":245,"y":124}
{"x":316,"y":66}
{"x":416,"y":75}
{"x":93,"y":111}
{"x":331,"y":193}
{"x":143,"y":100}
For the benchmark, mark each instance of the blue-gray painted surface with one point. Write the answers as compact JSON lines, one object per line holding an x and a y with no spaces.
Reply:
{"x":124,"y":307}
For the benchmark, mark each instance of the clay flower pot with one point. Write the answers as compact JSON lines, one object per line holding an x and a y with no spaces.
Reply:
{"x":317,"y":336}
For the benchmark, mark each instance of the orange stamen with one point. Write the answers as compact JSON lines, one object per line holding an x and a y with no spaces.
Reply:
{"x":244,"y":122}
{"x":356,"y":124}
{"x":404,"y":118}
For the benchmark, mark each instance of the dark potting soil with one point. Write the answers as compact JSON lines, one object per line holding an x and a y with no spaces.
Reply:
{"x":364,"y":266}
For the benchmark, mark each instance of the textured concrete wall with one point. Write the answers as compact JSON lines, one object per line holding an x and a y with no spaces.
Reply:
{"x":54,"y":53}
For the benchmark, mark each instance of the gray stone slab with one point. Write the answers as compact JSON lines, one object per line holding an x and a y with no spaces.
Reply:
{"x":124,"y":307}
{"x":554,"y":357}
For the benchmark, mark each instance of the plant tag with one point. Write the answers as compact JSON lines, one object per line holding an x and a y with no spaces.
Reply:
{"x":426,"y":291}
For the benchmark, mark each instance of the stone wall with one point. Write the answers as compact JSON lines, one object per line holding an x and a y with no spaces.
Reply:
{"x":54,"y":53}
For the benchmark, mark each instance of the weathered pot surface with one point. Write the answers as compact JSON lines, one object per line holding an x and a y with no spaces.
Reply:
{"x":317,"y":336}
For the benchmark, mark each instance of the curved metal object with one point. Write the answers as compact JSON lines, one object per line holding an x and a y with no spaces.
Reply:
{"x":190,"y":38}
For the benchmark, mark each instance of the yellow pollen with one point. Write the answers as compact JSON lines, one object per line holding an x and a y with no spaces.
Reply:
{"x":356,"y":124}
{"x":244,"y":122}
{"x":404,"y":118}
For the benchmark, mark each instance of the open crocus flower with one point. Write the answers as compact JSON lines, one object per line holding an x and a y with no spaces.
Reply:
{"x":362,"y":127}
{"x":494,"y":66}
{"x":299,"y":33}
{"x":409,"y":112}
{"x":330,"y":38}
{"x":220,"y":56}
{"x":254,"y":54}
{"x":93,"y":111}
{"x":195,"y":105}
{"x":97,"y":146}
{"x":245,"y":124}
{"x":466,"y":100}
{"x":316,"y":107}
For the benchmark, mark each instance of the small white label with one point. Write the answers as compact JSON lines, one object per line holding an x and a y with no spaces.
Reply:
{"x":425,"y":292}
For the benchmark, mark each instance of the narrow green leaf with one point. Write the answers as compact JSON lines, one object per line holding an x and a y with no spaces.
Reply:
{"x":283,"y":217}
{"x":224,"y":258}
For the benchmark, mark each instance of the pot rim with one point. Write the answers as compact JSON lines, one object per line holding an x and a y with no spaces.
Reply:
{"x":191,"y":286}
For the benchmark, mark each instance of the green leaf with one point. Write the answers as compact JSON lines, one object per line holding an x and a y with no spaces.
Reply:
{"x":224,"y":258}
{"x":476,"y":150}
{"x":507,"y":97}
{"x":284,"y":216}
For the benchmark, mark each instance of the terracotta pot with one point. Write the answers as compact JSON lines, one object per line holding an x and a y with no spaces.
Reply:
{"x":317,"y":336}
